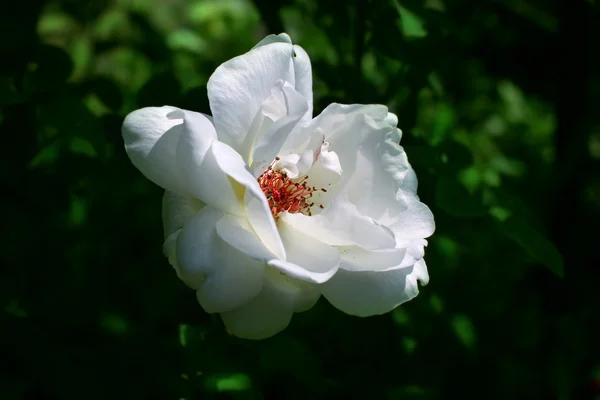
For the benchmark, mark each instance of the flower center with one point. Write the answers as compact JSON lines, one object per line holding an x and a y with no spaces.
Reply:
{"x":284,"y":193}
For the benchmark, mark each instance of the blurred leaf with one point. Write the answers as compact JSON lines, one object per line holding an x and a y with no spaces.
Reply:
{"x":82,"y":54}
{"x":228,"y":382}
{"x":471,"y":178}
{"x":192,"y":336}
{"x":423,"y":156}
{"x":437,"y":304}
{"x":400,"y":316}
{"x":109,"y":23}
{"x":455,"y":155}
{"x":389,"y":42}
{"x":106,"y":90}
{"x":9,"y":93}
{"x":161,"y":89}
{"x":183,"y":334}
{"x":195,"y":99}
{"x":50,"y":68}
{"x":47,"y":155}
{"x":412,"y":24}
{"x":288,"y":355}
{"x":188,"y":40}
{"x":409,"y":392}
{"x":518,"y":229}
{"x":116,"y":324}
{"x":52,"y":23}
{"x":500,"y":213}
{"x":448,"y":248}
{"x":464,"y":330}
{"x":510,"y":202}
{"x":437,"y":5}
{"x":78,"y":212}
{"x":13,"y":308}
{"x":79,"y":145}
{"x":514,"y":100}
{"x":409,"y":344}
{"x":154,"y":44}
{"x":129,"y":67}
{"x":452,"y":197}
{"x":443,"y":123}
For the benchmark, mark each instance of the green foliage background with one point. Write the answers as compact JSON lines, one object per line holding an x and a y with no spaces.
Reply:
{"x":499,"y":104}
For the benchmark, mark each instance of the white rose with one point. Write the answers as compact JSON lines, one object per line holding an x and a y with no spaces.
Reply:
{"x":265,"y":208}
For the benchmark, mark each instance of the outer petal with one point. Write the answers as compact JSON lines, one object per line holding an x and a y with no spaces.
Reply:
{"x":170,"y":147}
{"x":277,"y":117}
{"x":177,"y":210}
{"x":239,"y":86}
{"x":238,"y":233}
{"x":377,"y":183}
{"x":355,"y":258}
{"x":255,"y":202}
{"x":295,"y":165}
{"x":381,"y":166}
{"x":151,"y":139}
{"x":205,"y":179}
{"x":225,"y":278}
{"x":307,"y":258}
{"x":336,"y":121}
{"x":341,"y":224}
{"x":373,"y":293}
{"x":302,"y":68}
{"x":281,"y":38}
{"x":271,"y":311}
{"x":415,"y":223}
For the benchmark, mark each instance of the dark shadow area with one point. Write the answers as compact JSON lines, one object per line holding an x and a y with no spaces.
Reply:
{"x":499,"y":104}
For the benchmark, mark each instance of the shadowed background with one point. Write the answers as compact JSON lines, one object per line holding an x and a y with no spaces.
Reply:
{"x":499,"y":104}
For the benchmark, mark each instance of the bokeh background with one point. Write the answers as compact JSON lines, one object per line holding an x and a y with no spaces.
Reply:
{"x":499,"y":102}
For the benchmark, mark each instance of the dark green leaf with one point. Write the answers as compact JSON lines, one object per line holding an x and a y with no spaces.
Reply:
{"x":535,"y":243}
{"x":454,"y":199}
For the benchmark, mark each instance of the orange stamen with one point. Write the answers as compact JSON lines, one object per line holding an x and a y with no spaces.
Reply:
{"x":285,"y":194}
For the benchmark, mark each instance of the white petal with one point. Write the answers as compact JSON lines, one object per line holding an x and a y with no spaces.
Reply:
{"x":238,"y":87}
{"x":354,"y":258}
{"x":302,"y":67}
{"x":336,"y":119}
{"x":381,"y":167}
{"x":376,"y":174}
{"x":177,"y":210}
{"x":151,"y":138}
{"x":225,"y":278}
{"x":295,"y":165}
{"x":170,"y":147}
{"x":420,"y":272}
{"x":271,"y":311}
{"x":303,"y":76}
{"x":329,"y":160}
{"x":307,"y":258}
{"x":410,"y":182}
{"x":416,"y":222}
{"x":170,"y":251}
{"x":341,"y":224}
{"x":198,"y":166}
{"x":373,"y":293}
{"x":343,"y":128}
{"x":255,"y":202}
{"x":325,"y":175}
{"x":281,"y":38}
{"x":238,"y":233}
{"x":278,"y":116}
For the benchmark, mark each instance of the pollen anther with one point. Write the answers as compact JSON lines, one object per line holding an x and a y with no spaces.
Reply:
{"x":284,"y":193}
